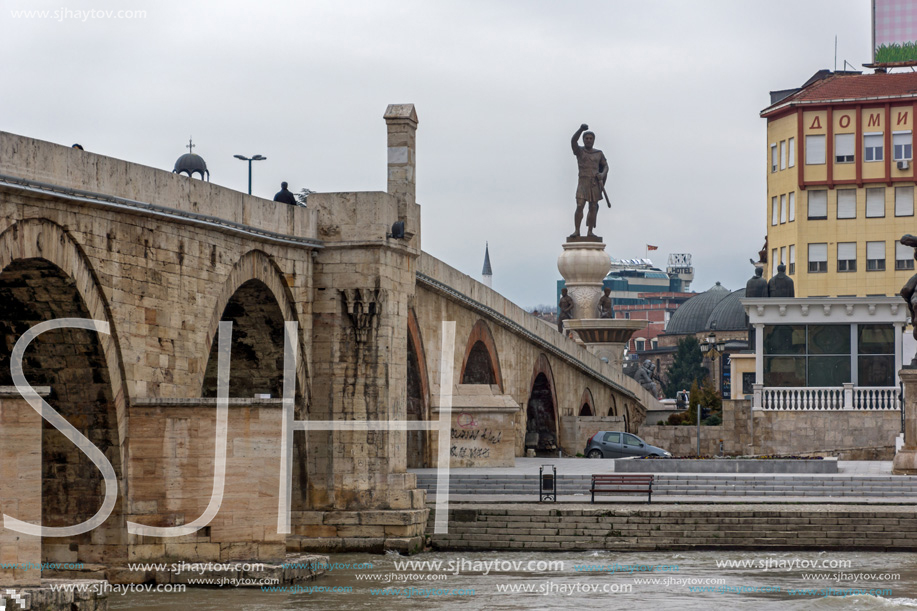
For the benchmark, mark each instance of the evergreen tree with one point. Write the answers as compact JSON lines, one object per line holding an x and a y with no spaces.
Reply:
{"x":687,"y":367}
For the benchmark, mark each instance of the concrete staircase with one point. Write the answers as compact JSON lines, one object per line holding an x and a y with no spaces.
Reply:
{"x":795,"y":485}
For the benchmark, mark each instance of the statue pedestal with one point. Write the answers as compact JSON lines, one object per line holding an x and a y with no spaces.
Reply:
{"x":606,"y":337}
{"x":905,"y":462}
{"x":584,"y":265}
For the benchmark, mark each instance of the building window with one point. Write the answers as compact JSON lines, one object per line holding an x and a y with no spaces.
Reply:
{"x":872,"y":146}
{"x":875,"y":355}
{"x":792,"y":197}
{"x":825,"y":355}
{"x":806,"y":355}
{"x":783,"y":255}
{"x":783,"y":208}
{"x":773,"y":158}
{"x":774,"y":262}
{"x":655,"y":344}
{"x":792,"y":259}
{"x":640,"y":344}
{"x":791,"y":144}
{"x":844,"y":147}
{"x":783,"y":154}
{"x":774,"y":211}
{"x":904,"y":201}
{"x":846,"y":203}
{"x":875,"y":256}
{"x":818,"y":258}
{"x":875,"y":203}
{"x":815,"y":150}
{"x":818,"y":205}
{"x":904,"y":256}
{"x":846,"y":256}
{"x":901,"y":142}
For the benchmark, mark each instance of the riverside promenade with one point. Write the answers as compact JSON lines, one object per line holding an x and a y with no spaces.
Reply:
{"x":866,"y":482}
{"x":862,"y":507}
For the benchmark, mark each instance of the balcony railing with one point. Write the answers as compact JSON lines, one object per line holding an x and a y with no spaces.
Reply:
{"x":834,"y":398}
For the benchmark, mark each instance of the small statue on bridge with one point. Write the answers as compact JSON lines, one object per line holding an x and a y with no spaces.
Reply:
{"x":285,"y":196}
{"x":564,"y":310}
{"x":593,"y":172}
{"x":909,"y":292}
{"x":605,"y":310}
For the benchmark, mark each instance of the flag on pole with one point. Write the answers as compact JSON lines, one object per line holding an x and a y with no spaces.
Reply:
{"x":649,"y":247}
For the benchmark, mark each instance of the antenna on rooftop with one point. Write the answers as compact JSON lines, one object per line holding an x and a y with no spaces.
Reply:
{"x":835,"y":53}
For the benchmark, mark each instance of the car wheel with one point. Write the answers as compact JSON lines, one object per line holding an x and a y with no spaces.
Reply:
{"x":594,"y":454}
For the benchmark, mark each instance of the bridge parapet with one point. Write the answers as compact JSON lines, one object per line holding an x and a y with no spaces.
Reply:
{"x":88,"y":174}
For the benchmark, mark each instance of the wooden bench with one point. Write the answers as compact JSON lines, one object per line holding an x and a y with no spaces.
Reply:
{"x":614,"y":483}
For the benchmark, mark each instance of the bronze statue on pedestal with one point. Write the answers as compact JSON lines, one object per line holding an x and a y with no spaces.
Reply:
{"x":593,"y":172}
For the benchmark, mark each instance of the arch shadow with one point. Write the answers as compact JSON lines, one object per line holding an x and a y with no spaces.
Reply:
{"x":541,"y":408}
{"x":418,"y":395}
{"x":587,"y":403}
{"x":481,"y":363}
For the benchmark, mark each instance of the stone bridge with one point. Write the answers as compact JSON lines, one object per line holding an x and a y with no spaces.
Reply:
{"x":161,"y":259}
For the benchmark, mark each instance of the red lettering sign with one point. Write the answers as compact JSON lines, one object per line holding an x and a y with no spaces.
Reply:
{"x":816,"y":124}
{"x":875,"y":120}
{"x":845,"y":121}
{"x":902,"y":118}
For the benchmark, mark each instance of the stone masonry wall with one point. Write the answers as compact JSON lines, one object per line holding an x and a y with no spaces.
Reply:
{"x":631,"y":528}
{"x":848,"y":435}
{"x":20,"y":486}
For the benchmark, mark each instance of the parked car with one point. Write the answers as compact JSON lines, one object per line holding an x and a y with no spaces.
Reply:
{"x":616,"y":444}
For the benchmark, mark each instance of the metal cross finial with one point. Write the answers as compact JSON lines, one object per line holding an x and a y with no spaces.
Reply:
{"x":190,"y":146}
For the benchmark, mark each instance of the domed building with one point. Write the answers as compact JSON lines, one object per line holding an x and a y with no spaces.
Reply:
{"x":715,"y":317}
{"x":191,"y":163}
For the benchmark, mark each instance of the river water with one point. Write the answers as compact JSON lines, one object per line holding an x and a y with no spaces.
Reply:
{"x":578,"y":580}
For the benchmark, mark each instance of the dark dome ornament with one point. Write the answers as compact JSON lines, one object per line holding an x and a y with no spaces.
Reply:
{"x":189,"y":164}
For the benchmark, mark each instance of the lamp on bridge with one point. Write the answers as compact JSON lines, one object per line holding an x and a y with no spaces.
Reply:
{"x":249,"y":160}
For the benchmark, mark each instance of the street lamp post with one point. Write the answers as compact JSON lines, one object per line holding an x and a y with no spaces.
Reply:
{"x":711,"y":348}
{"x":249,"y":160}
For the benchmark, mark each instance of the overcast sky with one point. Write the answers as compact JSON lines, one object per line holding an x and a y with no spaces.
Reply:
{"x":672,"y":90}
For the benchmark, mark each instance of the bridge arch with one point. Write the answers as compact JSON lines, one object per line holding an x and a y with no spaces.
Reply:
{"x":481,"y":364}
{"x":257,"y":299}
{"x":587,"y":404}
{"x":613,"y":408}
{"x":541,"y":408}
{"x":46,"y":275}
{"x":418,"y":395}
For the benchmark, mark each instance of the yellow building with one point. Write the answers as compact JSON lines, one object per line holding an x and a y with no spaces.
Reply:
{"x":840,"y":186}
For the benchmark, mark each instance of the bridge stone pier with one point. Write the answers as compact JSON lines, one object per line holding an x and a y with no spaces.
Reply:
{"x":161,"y":259}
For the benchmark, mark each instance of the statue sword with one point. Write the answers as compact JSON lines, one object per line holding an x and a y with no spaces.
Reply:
{"x":605,"y":193}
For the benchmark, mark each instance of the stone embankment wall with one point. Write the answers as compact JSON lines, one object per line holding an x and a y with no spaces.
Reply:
{"x":677,"y":527}
{"x":848,"y":435}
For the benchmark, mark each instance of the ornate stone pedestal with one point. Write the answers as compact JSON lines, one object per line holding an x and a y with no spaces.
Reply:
{"x":584,"y":265}
{"x":905,"y":462}
{"x":606,"y":337}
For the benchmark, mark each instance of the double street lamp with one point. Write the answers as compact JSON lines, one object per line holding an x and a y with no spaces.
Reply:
{"x":249,"y":160}
{"x":712,"y":348}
